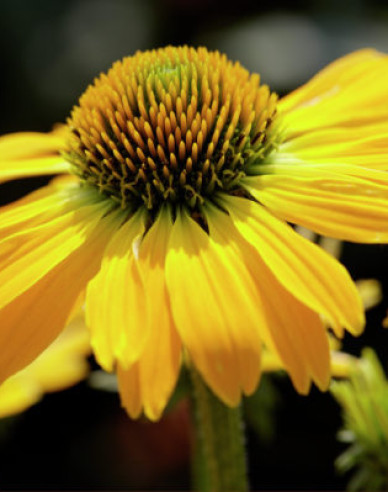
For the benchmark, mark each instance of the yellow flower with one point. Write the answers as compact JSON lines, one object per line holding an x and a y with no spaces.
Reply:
{"x":59,"y":366}
{"x":183,"y":173}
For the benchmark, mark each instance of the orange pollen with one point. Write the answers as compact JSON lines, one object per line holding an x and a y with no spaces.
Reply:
{"x":174,"y":124}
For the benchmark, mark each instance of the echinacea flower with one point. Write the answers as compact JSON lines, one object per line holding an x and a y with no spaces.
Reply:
{"x":183,"y":173}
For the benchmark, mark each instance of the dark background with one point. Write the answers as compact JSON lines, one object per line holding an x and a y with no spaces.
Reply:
{"x":49,"y":52}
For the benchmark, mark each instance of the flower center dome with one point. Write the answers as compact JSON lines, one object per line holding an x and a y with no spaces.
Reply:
{"x":174,"y":124}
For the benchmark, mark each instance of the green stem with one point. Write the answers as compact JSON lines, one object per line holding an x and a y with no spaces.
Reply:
{"x":219,"y":458}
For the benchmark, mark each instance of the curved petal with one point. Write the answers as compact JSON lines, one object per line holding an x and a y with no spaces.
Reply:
{"x":346,"y":69}
{"x":30,"y":154}
{"x":32,"y":209}
{"x":349,"y":92}
{"x":342,"y":201}
{"x":115,"y":301}
{"x":213,"y":304}
{"x":148,"y":383}
{"x":129,"y":389}
{"x":292,"y":330}
{"x":61,"y":365}
{"x":296,"y":333}
{"x":33,"y":319}
{"x":36,"y":251}
{"x":304,"y":269}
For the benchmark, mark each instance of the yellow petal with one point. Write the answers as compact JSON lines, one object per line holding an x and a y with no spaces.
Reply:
{"x":304,"y":269}
{"x":44,"y":247}
{"x":159,"y":368}
{"x":342,"y":201}
{"x":358,"y":137}
{"x":348,"y":92}
{"x":31,"y":154}
{"x":370,"y":292}
{"x":61,"y":365}
{"x":342,"y":364}
{"x":115,"y":301}
{"x":271,"y":362}
{"x":129,"y":389}
{"x":364,"y":145}
{"x":64,"y":362}
{"x":213,"y":305}
{"x":160,"y":363}
{"x":29,"y":211}
{"x":19,"y":220}
{"x":147,"y":385}
{"x":17,"y":394}
{"x":31,"y":321}
{"x":32,"y":209}
{"x":296,"y":333}
{"x":222,"y":232}
{"x":346,"y":68}
{"x":292,"y":331}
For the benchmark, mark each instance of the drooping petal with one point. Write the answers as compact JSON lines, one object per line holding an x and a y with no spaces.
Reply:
{"x":213,"y":304}
{"x":67,"y":355}
{"x":222,"y":232}
{"x":129,"y":389}
{"x":147,"y":385}
{"x":292,"y":330}
{"x":32,"y":209}
{"x":31,"y":154}
{"x":16,"y":395}
{"x":19,"y":221}
{"x":116,"y":302}
{"x":61,"y":365}
{"x":304,"y":269}
{"x":343,"y":201}
{"x":43,"y":247}
{"x":296,"y":333}
{"x":33,"y":319}
{"x":160,"y":363}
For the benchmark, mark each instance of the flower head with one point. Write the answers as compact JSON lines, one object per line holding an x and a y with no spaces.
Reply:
{"x":183,"y":173}
{"x":171,"y":126}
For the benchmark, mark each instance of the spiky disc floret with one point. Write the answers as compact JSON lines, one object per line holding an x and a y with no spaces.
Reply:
{"x":174,"y":124}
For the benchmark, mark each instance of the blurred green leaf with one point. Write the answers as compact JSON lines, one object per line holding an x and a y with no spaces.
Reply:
{"x":364,"y":402}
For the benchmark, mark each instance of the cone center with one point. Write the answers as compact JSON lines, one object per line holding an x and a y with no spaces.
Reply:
{"x":175,"y":124}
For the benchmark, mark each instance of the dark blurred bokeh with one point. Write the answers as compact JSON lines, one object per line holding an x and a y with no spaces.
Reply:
{"x":50,"y":51}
